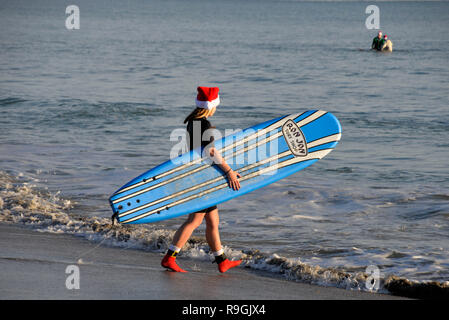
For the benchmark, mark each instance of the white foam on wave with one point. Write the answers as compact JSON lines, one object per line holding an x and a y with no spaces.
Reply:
{"x":23,"y":203}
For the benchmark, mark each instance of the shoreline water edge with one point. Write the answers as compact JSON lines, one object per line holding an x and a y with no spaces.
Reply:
{"x":22,"y":204}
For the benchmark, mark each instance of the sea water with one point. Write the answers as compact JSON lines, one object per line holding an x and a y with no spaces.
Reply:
{"x":83,"y":111}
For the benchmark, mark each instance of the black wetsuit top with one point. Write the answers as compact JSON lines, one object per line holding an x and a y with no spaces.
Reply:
{"x":196,"y":129}
{"x":376,"y":43}
{"x":192,"y":126}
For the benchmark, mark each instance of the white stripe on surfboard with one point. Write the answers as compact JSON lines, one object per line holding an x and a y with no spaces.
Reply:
{"x":313,"y":155}
{"x":312,"y":144}
{"x":198,"y":186}
{"x":260,"y":132}
{"x":332,"y":138}
{"x":271,"y":127}
{"x":250,"y":147}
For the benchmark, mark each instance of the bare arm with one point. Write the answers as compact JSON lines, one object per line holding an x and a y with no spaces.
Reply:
{"x":230,"y":174}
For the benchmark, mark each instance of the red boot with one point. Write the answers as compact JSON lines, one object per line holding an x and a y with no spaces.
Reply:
{"x":227,"y":264}
{"x":169,"y":262}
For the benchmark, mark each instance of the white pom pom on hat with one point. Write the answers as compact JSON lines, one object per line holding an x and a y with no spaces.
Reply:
{"x":207,"y":98}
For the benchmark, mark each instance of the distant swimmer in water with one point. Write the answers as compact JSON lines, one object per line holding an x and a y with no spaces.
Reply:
{"x":376,"y":41}
{"x":382,"y":43}
{"x":386,"y":44}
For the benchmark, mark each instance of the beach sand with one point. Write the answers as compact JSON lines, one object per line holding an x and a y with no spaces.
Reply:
{"x":34,"y":266}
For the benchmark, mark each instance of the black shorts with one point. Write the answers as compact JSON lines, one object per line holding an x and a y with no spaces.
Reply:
{"x":207,"y":210}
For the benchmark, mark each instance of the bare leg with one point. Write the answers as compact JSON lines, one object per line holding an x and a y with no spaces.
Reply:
{"x":180,"y":238}
{"x":186,"y":229}
{"x":212,"y":234}
{"x":213,"y":239}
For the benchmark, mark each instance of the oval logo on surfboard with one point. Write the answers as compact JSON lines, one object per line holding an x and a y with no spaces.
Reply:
{"x":295,"y":138}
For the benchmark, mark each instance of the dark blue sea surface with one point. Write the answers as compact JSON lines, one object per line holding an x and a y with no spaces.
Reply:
{"x":84,"y":111}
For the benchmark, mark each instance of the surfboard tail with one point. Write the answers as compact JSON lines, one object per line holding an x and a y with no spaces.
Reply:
{"x":115,"y":213}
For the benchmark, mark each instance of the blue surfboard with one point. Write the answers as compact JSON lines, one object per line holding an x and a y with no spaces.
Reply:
{"x":262,"y":154}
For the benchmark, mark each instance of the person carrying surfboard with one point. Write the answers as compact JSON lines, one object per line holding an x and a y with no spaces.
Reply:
{"x":197,"y":124}
{"x":386,"y":44}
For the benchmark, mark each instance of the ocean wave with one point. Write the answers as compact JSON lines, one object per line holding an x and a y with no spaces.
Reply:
{"x":23,"y":203}
{"x":10,"y":100}
{"x":428,"y":124}
{"x":78,"y":109}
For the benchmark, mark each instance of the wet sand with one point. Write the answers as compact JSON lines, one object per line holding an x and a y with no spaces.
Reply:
{"x":34,"y":266}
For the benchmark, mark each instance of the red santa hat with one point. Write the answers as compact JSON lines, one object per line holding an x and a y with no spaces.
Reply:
{"x":207,"y":97}
{"x":385,"y":37}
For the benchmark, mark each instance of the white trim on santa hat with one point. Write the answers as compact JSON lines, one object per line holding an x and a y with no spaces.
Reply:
{"x":208,"y":104}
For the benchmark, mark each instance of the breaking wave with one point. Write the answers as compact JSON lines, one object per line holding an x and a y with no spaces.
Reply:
{"x":21,"y":202}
